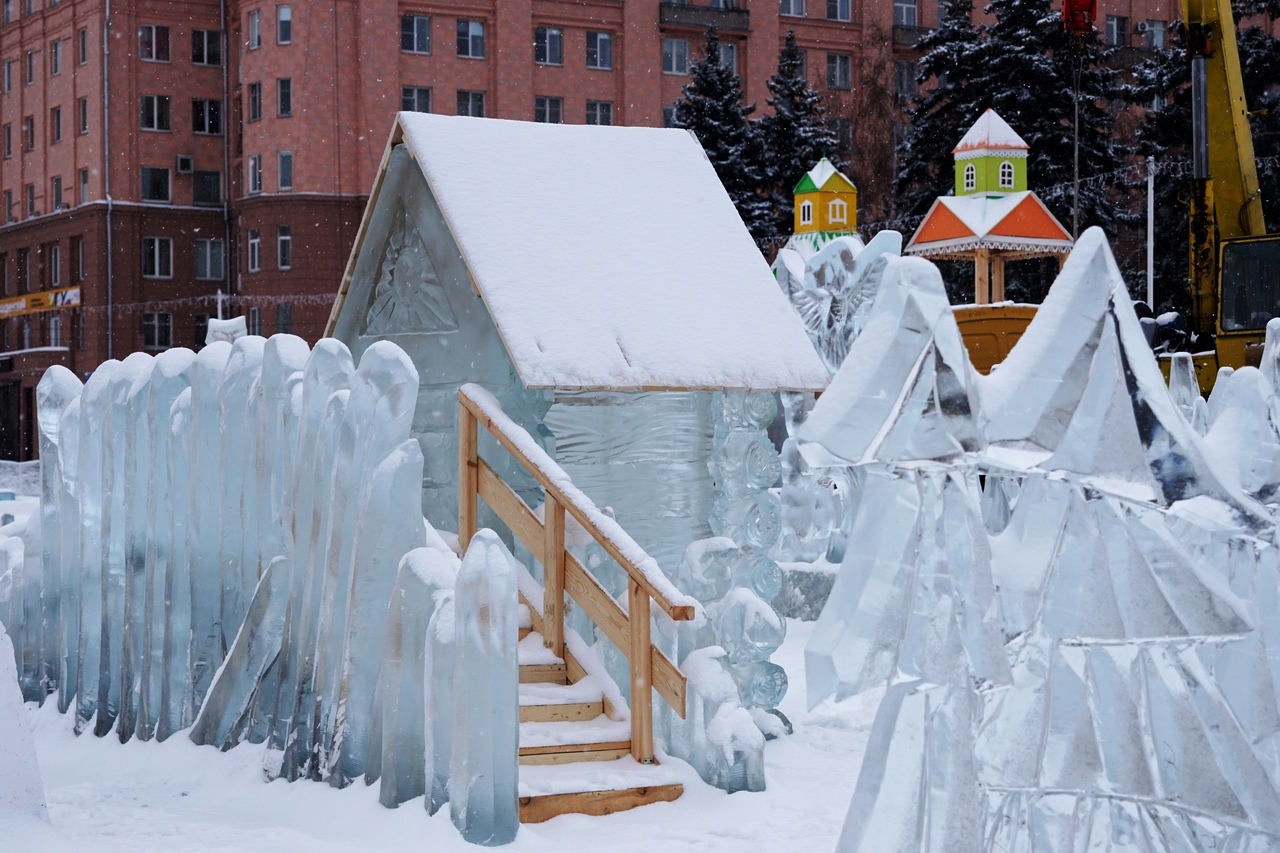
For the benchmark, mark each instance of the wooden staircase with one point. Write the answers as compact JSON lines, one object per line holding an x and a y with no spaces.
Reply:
{"x":575,"y":746}
{"x":579,"y":752}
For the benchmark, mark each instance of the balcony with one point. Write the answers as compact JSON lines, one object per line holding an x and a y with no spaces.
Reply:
{"x":724,"y":17}
{"x":908,"y":36}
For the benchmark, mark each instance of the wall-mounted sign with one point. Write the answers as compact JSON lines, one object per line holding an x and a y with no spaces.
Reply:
{"x":43,"y":300}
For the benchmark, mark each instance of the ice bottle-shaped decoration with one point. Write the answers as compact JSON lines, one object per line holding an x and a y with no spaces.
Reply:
{"x":762,"y":684}
{"x":483,"y":774}
{"x":748,"y":628}
{"x":706,"y":572}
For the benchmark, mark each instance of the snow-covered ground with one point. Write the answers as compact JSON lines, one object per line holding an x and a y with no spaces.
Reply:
{"x":177,"y":796}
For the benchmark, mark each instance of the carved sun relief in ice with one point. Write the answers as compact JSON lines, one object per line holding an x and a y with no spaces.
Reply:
{"x":409,"y":296}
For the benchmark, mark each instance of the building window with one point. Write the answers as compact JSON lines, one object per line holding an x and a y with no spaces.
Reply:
{"x":1154,"y":35}
{"x":53,"y":260}
{"x":839,"y":71}
{"x":254,"y":173}
{"x":153,"y":43}
{"x":55,"y":192}
{"x":82,"y":46}
{"x":255,"y":250}
{"x":1117,"y":31}
{"x":415,"y":99}
{"x":155,"y":112}
{"x":284,"y":247}
{"x":82,"y":115}
{"x":254,"y":321}
{"x":806,"y":212}
{"x":729,"y":56}
{"x":284,"y":24}
{"x":157,"y":257}
{"x":8,"y":11}
{"x":8,"y":75}
{"x":415,"y":34}
{"x":8,"y":141}
{"x":55,"y":57}
{"x":206,"y":47}
{"x":206,"y":187}
{"x":255,"y":101}
{"x":206,"y":116}
{"x":548,"y":110}
{"x":675,"y":56}
{"x":794,"y":8}
{"x":471,"y":104}
{"x":24,"y":270}
{"x":970,"y":178}
{"x":84,"y":186}
{"x":157,"y":330}
{"x":1006,"y":175}
{"x":209,"y":259}
{"x":599,"y":112}
{"x":904,"y":79}
{"x":548,"y":46}
{"x":905,"y":13}
{"x":838,"y":211}
{"x":284,"y":96}
{"x":29,"y":133}
{"x":31,"y":67}
{"x":200,"y":330}
{"x":55,"y":331}
{"x":839,"y":10}
{"x":471,"y":39}
{"x":155,"y":184}
{"x":284,"y":167}
{"x":255,"y":30}
{"x":599,"y":50}
{"x":668,"y":116}
{"x":77,"y":259}
{"x":284,"y":318}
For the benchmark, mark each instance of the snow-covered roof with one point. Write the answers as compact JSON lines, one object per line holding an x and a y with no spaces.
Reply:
{"x":610,"y":257}
{"x":989,"y":133}
{"x":1014,"y":222}
{"x":824,"y":176}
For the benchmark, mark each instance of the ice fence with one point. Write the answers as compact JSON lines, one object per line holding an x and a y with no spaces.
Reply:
{"x":1065,"y":576}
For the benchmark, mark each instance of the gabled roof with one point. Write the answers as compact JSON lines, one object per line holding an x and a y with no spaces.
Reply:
{"x":990,"y":132}
{"x":1009,"y":221}
{"x":608,"y":257}
{"x":824,"y":177}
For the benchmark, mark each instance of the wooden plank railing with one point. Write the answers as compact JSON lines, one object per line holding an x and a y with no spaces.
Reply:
{"x":563,"y":572}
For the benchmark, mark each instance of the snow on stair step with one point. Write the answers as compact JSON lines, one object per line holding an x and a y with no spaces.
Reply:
{"x":600,"y":739}
{"x":594,"y":788}
{"x":551,"y":702}
{"x":538,"y":663}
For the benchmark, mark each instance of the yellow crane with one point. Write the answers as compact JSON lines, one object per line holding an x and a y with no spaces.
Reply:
{"x":1234,"y":263}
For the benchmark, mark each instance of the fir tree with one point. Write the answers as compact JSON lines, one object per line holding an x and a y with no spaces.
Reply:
{"x":1165,"y":134}
{"x":796,"y":135}
{"x":711,"y":106}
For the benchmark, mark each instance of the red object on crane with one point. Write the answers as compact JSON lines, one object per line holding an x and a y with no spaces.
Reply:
{"x":1078,"y":15}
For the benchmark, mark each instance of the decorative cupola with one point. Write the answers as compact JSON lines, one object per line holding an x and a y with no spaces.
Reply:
{"x":991,"y":158}
{"x":825,"y":201}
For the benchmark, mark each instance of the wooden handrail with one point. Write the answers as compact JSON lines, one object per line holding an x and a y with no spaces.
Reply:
{"x":629,"y":631}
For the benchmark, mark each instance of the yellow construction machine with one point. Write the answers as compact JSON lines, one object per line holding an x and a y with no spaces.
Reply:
{"x":1235,"y":264}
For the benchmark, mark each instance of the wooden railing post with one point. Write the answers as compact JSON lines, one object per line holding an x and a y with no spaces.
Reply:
{"x":468,"y":476}
{"x":553,"y":575}
{"x":641,"y":673}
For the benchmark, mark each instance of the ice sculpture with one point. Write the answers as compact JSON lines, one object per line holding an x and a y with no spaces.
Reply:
{"x":483,"y":770}
{"x":1185,"y":390}
{"x":719,"y":737}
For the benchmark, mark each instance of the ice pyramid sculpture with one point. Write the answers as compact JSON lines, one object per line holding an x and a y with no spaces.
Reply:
{"x":1081,"y":393}
{"x":1243,"y":441}
{"x":908,"y":390}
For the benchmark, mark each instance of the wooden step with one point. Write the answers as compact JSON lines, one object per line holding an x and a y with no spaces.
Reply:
{"x":543,"y":702}
{"x":597,"y":739}
{"x":593,"y":789}
{"x":543,"y":673}
{"x":573,"y":753}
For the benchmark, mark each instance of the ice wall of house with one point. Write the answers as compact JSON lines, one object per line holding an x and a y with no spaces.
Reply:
{"x":411,"y":286}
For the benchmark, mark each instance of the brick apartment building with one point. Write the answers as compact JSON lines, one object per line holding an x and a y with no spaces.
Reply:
{"x":159,"y":155}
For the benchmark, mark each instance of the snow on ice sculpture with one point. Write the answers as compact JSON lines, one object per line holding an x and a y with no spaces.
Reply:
{"x":483,"y":799}
{"x":718,"y":737}
{"x":398,"y":739}
{"x":21,"y":789}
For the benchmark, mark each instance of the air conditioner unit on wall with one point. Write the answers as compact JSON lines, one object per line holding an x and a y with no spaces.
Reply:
{"x":1142,"y":26}
{"x":185,"y":164}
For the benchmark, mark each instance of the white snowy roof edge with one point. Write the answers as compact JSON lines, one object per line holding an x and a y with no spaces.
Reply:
{"x":990,"y":131}
{"x":665,"y":296}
